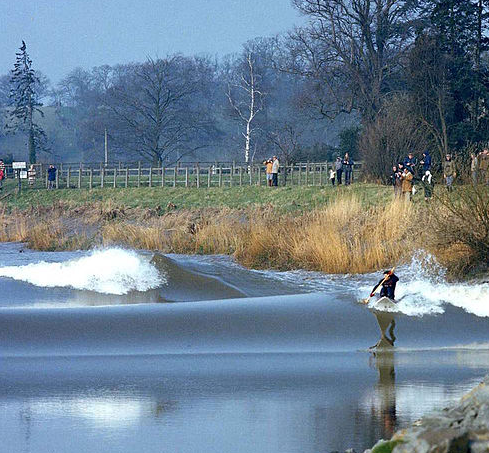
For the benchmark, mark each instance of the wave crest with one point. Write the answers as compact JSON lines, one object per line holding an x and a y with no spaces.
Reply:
{"x":107,"y":271}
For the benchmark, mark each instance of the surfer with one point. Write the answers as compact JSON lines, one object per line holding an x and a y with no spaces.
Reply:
{"x":388,"y":283}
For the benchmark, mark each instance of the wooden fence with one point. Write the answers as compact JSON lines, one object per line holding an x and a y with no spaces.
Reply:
{"x":191,"y":174}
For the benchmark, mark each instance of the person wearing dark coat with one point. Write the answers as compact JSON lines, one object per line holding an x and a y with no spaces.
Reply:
{"x":410,"y":163}
{"x":348,"y":169}
{"x":338,"y":165}
{"x":51,"y":176}
{"x":395,"y":178}
{"x":388,"y":282}
{"x":426,"y":162}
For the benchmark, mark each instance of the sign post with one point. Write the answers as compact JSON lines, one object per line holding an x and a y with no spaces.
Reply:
{"x":19,"y":166}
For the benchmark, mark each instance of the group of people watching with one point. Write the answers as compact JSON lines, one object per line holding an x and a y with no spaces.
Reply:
{"x":272,"y":167}
{"x":479,"y":167}
{"x":407,"y":173}
{"x":342,"y":167}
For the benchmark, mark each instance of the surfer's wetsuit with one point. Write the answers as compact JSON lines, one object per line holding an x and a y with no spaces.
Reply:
{"x":388,"y":286}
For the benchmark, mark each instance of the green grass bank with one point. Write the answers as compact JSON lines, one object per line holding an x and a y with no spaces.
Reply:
{"x":284,"y":199}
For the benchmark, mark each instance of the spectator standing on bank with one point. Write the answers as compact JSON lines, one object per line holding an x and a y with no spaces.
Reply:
{"x":395,"y":178}
{"x":428,"y":184}
{"x":2,"y":173}
{"x":348,"y":169}
{"x":332,"y":175}
{"x":483,"y":162}
{"x":268,"y":170}
{"x":410,"y":163}
{"x":275,"y":169}
{"x":449,"y":172}
{"x":338,"y":165}
{"x":426,"y":162}
{"x":31,"y":175}
{"x":407,"y":184}
{"x":51,"y":176}
{"x":474,"y":167}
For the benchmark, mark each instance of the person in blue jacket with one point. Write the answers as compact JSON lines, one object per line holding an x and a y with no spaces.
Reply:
{"x":410,"y":163}
{"x":51,"y":177}
{"x":426,"y":162}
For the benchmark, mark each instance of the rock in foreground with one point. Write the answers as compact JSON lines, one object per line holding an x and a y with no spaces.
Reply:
{"x":462,"y":428}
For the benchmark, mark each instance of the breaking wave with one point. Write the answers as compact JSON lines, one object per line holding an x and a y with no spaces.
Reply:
{"x":108,"y":271}
{"x":424,"y":290}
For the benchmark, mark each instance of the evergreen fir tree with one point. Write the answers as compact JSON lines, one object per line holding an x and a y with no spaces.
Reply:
{"x":26,"y":103}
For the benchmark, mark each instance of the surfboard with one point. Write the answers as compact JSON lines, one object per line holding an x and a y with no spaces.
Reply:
{"x":384,"y":303}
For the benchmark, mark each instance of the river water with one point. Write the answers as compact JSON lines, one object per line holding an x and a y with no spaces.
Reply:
{"x":125,"y":351}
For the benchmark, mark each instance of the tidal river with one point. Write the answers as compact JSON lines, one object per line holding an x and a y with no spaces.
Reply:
{"x":122,"y":351}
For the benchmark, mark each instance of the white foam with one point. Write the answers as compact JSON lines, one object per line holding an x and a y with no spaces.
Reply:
{"x":108,"y":271}
{"x":423,"y":290}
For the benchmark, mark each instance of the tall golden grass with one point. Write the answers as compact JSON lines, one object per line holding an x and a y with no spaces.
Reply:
{"x":338,"y":238}
{"x":40,"y":233}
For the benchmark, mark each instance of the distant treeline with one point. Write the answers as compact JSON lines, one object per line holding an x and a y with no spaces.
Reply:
{"x":376,"y":79}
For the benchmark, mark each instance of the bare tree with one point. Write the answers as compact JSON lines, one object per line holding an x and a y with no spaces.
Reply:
{"x":245,"y":95}
{"x":432,"y":101}
{"x":154,"y":105}
{"x":350,"y":50}
{"x":386,"y":141}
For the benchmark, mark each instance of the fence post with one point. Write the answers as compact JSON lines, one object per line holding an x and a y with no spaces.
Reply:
{"x":307,"y":173}
{"x":79,"y":176}
{"x":139,"y":174}
{"x":57,"y":179}
{"x":209,"y":176}
{"x":321,"y":173}
{"x":126,"y":179}
{"x":90,"y":178}
{"x":115,"y":177}
{"x":240,"y":175}
{"x":175,"y":176}
{"x":150,"y":181}
{"x":197,"y":169}
{"x":186,"y":176}
{"x":250,"y":170}
{"x":220,"y":175}
{"x":102,"y":176}
{"x":162,"y":176}
{"x":68,"y":174}
{"x":259,"y":175}
{"x":47,"y":183}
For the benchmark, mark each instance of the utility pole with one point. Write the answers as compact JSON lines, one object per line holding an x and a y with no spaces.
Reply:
{"x":106,"y":149}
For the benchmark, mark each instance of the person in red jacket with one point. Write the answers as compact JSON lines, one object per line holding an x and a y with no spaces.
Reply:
{"x":2,"y":173}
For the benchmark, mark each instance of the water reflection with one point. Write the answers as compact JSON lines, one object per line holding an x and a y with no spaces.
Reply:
{"x":384,"y":359}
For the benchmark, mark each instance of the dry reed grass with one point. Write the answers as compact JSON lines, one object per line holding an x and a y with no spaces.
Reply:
{"x":340,"y":237}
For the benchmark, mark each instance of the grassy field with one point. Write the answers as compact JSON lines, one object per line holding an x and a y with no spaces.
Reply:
{"x":284,"y":199}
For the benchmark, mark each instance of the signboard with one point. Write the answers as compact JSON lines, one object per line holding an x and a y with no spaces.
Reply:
{"x":23,"y":174}
{"x":19,"y":165}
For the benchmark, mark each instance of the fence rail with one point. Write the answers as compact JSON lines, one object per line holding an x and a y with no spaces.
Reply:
{"x":191,"y":174}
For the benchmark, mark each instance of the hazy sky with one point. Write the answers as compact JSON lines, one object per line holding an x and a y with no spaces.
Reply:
{"x":64,"y":34}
